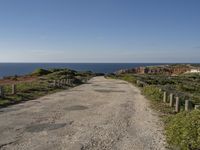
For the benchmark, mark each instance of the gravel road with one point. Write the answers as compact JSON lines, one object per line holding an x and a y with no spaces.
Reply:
{"x":104,"y":114}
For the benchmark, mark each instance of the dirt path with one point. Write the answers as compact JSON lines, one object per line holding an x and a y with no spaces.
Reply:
{"x":104,"y":114}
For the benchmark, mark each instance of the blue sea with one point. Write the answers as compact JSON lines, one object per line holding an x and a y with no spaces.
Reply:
{"x":10,"y":69}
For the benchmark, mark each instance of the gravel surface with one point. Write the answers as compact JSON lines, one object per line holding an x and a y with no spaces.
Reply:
{"x":104,"y":114}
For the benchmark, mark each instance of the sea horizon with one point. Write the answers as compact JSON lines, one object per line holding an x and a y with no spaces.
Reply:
{"x":23,"y":68}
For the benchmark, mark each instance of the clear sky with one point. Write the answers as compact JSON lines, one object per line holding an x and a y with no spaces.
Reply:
{"x":99,"y":30}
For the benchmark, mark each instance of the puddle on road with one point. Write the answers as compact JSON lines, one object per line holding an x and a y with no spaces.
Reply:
{"x":109,"y":91}
{"x":45,"y":126}
{"x":76,"y":107}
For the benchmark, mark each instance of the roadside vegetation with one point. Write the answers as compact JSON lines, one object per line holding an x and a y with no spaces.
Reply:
{"x":182,"y":129}
{"x":39,"y":83}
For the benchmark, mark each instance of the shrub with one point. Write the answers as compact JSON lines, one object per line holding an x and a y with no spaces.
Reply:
{"x":41,"y":72}
{"x":152,"y":92}
{"x":183,"y":130}
{"x":129,"y":78}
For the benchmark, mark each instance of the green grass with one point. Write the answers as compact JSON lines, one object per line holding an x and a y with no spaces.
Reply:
{"x":27,"y":91}
{"x":42,"y":86}
{"x":152,"y":92}
{"x":183,"y":130}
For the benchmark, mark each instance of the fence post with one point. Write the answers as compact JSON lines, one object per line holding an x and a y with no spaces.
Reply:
{"x":65,"y":81}
{"x":13,"y":89}
{"x":187,"y":105}
{"x":54,"y":83}
{"x":1,"y":92}
{"x":70,"y":82}
{"x":58,"y":83}
{"x":177,"y":109}
{"x":171,"y":100}
{"x":165,"y":97}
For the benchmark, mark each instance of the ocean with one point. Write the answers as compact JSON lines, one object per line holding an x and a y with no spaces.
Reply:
{"x":10,"y":69}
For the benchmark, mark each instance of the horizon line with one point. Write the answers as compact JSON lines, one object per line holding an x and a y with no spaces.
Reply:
{"x":110,"y":62}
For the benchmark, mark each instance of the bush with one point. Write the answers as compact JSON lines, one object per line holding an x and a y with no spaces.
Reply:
{"x":183,"y":130}
{"x":129,"y":78}
{"x":152,"y":92}
{"x":41,"y":72}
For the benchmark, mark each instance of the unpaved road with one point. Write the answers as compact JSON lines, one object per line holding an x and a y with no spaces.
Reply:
{"x":104,"y":114}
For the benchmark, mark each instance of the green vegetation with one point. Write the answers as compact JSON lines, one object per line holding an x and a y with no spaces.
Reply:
{"x":152,"y":92}
{"x":187,"y":86}
{"x":39,"y":84}
{"x":27,"y":91}
{"x":182,"y":129}
{"x":41,"y":72}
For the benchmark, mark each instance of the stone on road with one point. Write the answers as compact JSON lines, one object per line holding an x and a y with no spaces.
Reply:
{"x":104,"y":114}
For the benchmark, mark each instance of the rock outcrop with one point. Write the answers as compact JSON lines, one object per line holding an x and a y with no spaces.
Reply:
{"x":164,"y":69}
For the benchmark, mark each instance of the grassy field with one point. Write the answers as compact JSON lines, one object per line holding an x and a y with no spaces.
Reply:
{"x":39,"y":84}
{"x":182,"y":129}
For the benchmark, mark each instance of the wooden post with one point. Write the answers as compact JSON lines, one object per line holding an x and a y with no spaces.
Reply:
{"x":65,"y":81}
{"x":54,"y":83}
{"x":13,"y":89}
{"x":58,"y":83}
{"x":70,"y":82}
{"x":61,"y":83}
{"x":177,"y":109}
{"x":165,"y":97}
{"x":171,"y":100}
{"x":1,"y":92}
{"x":138,"y":83}
{"x":187,"y":105}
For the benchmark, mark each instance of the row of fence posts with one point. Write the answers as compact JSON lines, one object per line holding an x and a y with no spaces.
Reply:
{"x":13,"y":90}
{"x":173,"y":101}
{"x":60,"y":83}
{"x":176,"y":102}
{"x":56,"y":83}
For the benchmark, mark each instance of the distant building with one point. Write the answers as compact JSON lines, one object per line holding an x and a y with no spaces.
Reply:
{"x":194,"y":71}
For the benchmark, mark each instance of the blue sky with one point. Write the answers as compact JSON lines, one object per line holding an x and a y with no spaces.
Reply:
{"x":99,"y":31}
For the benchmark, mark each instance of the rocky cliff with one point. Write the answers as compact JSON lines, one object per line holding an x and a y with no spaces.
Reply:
{"x":164,"y":69}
